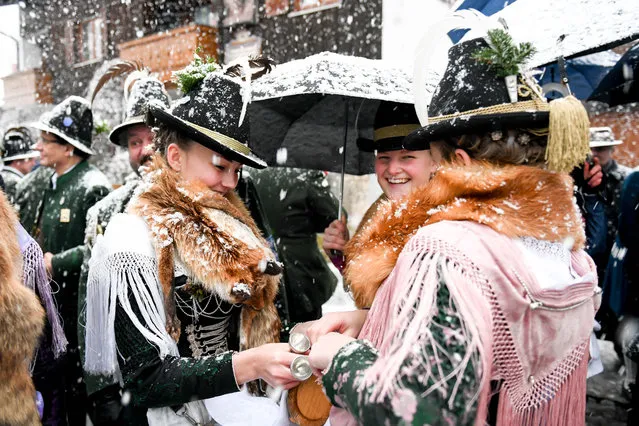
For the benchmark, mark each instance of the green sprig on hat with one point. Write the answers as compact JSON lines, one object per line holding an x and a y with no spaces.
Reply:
{"x":102,"y":127}
{"x":503,"y":55}
{"x":195,"y":72}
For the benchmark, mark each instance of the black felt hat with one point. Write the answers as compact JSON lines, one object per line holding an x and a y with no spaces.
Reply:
{"x":393,"y":122}
{"x":142,"y":93}
{"x":71,"y":120}
{"x":471,"y":98}
{"x":210,"y":115}
{"x":16,"y":145}
{"x":474,"y":97}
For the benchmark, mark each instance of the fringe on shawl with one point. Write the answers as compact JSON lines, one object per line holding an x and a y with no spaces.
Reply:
{"x":412,"y":292}
{"x":566,"y":407}
{"x":34,"y":275}
{"x":110,"y":279}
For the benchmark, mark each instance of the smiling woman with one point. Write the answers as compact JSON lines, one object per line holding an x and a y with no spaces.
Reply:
{"x":185,"y":279}
{"x":399,"y":171}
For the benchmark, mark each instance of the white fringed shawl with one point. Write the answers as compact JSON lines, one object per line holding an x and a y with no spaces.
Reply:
{"x":122,"y":260}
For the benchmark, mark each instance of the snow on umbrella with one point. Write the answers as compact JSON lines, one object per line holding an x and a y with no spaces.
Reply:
{"x":584,"y":73}
{"x":306,"y":113}
{"x":305,"y":107}
{"x":620,"y":85}
{"x":584,"y":26}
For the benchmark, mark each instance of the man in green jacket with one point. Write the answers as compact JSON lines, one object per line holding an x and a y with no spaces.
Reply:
{"x":298,"y":205}
{"x":53,"y":204}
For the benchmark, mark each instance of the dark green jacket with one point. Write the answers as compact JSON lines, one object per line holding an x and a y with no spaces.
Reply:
{"x":298,"y":205}
{"x":56,"y":218}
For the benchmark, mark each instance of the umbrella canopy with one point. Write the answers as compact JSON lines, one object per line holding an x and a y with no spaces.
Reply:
{"x":585,"y":26}
{"x":300,"y":112}
{"x":584,"y":73}
{"x":620,"y":85}
{"x":486,"y":7}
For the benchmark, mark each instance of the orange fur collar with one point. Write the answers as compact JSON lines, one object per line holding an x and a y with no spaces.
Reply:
{"x":217,"y":241}
{"x":517,"y":201}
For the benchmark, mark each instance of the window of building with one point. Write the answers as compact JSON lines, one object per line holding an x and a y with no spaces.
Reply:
{"x":275,"y":7}
{"x":85,"y":40}
{"x":205,"y":15}
{"x":301,"y":7}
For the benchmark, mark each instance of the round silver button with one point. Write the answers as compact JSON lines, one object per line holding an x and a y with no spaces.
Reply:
{"x":301,"y":368}
{"x":299,"y":343}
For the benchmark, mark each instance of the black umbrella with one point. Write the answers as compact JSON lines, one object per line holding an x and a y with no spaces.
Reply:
{"x":621,"y":84}
{"x":304,"y":113}
{"x":308,"y":132}
{"x":309,"y":113}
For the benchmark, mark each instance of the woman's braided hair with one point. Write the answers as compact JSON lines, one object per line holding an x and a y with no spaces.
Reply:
{"x":515,"y":147}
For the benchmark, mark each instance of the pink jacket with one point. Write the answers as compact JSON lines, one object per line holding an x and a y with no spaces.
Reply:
{"x":534,"y":342}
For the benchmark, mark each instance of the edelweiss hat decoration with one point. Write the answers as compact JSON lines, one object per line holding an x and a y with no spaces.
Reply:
{"x":71,"y":120}
{"x":602,"y":136}
{"x":213,"y":108}
{"x":393,"y":122}
{"x":16,"y":145}
{"x":484,"y":89}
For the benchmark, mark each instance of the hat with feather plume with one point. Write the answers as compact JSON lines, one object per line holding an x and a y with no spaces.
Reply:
{"x":140,"y":91}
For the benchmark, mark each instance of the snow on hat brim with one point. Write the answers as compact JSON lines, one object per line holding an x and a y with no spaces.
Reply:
{"x":223,"y":145}
{"x":25,"y":156}
{"x":76,"y":144}
{"x":599,"y":144}
{"x":116,"y":134}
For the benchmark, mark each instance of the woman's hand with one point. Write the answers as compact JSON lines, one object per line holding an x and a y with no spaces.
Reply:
{"x":325,"y":348}
{"x":346,"y":323}
{"x":335,"y":236}
{"x":270,"y":362}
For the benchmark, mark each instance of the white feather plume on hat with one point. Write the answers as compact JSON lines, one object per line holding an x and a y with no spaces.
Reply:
{"x":131,"y":79}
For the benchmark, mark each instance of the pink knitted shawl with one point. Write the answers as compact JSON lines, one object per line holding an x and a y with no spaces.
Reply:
{"x":533,"y":342}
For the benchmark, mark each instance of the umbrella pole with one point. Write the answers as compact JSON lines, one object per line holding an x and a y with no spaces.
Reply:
{"x":341,"y":183}
{"x":337,"y":256}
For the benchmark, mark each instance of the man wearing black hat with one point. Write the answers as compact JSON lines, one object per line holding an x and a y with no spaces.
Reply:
{"x":134,"y":135}
{"x":19,"y":159}
{"x":53,"y":205}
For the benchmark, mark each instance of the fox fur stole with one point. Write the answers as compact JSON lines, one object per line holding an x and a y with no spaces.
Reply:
{"x":21,"y":322}
{"x":517,"y":201}
{"x":217,"y":241}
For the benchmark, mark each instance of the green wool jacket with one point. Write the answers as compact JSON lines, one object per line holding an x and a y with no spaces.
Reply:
{"x":56,"y":218}
{"x":299,"y":205}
